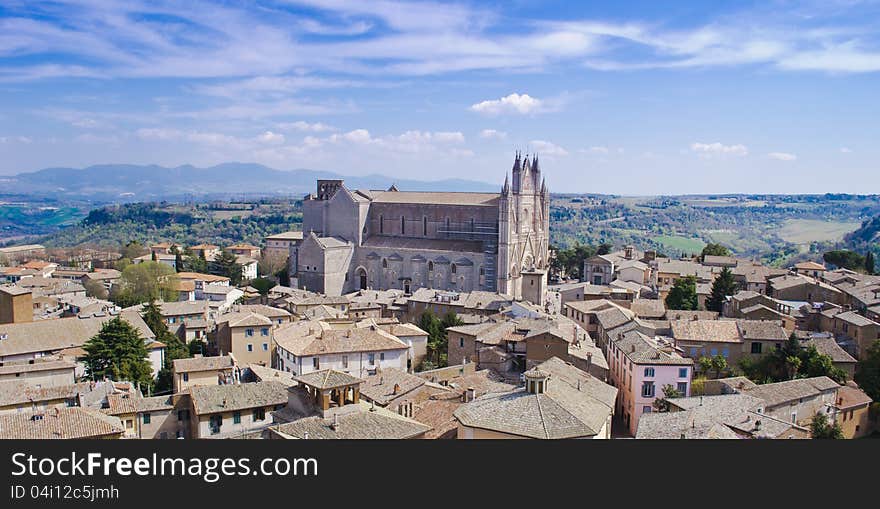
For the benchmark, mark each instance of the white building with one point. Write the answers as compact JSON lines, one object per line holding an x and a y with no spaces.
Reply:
{"x":307,"y":346}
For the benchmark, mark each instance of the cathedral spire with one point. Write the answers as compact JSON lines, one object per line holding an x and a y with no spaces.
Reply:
{"x":506,"y":188}
{"x":544,"y":186}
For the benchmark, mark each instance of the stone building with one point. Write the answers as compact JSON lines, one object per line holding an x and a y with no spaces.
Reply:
{"x":360,"y":239}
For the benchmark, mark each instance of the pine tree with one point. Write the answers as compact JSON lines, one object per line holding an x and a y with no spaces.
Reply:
{"x":869,"y":262}
{"x":227,"y":265}
{"x":174,"y":347}
{"x":118,"y":352}
{"x":723,"y":286}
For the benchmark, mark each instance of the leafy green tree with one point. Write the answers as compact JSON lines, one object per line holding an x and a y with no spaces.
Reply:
{"x":821,"y":429}
{"x":868,"y":371}
{"x":683,"y":295}
{"x":869,"y":263}
{"x":705,"y":364}
{"x":119,"y":353}
{"x":132,"y":250}
{"x":719,"y":364}
{"x":789,"y":362}
{"x":713,"y":249}
{"x":429,"y":323}
{"x":724,"y":286}
{"x":226,"y":264}
{"x":669,"y":392}
{"x":197,"y":263}
{"x":96,"y":289}
{"x":604,"y":248}
{"x":845,"y":258}
{"x":145,"y":282}
{"x":262,"y":285}
{"x":570,"y":262}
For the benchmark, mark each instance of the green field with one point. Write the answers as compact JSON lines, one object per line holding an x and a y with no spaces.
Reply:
{"x":804,"y":231}
{"x":680,"y":244}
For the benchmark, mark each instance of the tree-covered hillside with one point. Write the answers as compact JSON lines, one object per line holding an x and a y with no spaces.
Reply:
{"x":218,"y":223}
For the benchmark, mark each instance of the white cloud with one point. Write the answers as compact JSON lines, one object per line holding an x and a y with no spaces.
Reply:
{"x":357,"y":136}
{"x":542,"y":147}
{"x":493,"y":134}
{"x":782,"y":156}
{"x":15,"y":139}
{"x":271,"y":138}
{"x":449,"y":137}
{"x":514,"y":103}
{"x":597,"y":150}
{"x":707,"y":150}
{"x":845,"y":150}
{"x":300,"y":125}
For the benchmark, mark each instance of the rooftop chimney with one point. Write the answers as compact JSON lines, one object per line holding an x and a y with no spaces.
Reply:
{"x":396,"y":388}
{"x":470,"y":394}
{"x":335,"y":425}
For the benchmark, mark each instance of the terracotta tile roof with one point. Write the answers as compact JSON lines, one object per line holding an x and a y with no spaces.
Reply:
{"x":713,"y":331}
{"x":310,"y":338}
{"x":59,"y":423}
{"x":849,"y":396}
{"x":389,"y":384}
{"x":58,"y":334}
{"x":203,"y":364}
{"x":328,"y":379}
{"x":366,"y":424}
{"x":573,"y":404}
{"x":780,"y":393}
{"x":211,"y":399}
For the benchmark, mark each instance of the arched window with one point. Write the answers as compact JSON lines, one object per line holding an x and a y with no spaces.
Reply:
{"x":453,"y":268}
{"x":384,"y":263}
{"x":381,"y":223}
{"x":402,"y":225}
{"x":425,"y":226}
{"x":430,"y":266}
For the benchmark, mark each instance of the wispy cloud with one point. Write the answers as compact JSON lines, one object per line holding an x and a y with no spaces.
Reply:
{"x":547,"y":148}
{"x":490,"y":134}
{"x":782,"y":156}
{"x":718,"y":149}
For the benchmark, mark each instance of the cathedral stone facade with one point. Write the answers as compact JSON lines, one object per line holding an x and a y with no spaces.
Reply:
{"x":358,"y":239}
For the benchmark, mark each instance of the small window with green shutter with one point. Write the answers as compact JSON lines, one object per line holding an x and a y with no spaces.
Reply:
{"x":236,"y":418}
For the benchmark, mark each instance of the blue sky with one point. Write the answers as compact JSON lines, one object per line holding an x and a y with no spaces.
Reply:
{"x":641,"y":98}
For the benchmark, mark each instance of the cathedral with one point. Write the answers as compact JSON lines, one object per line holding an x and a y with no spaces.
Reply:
{"x":368,"y":239}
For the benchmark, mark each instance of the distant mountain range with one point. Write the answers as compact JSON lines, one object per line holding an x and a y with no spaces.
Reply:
{"x":128,"y":182}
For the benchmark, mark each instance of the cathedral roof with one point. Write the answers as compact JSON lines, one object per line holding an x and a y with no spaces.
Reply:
{"x":436,"y":198}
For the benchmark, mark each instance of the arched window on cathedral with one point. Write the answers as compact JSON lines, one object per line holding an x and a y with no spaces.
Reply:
{"x":402,"y":225}
{"x":473,"y":224}
{"x":384,"y":263}
{"x":425,"y":226}
{"x":453,"y":268}
{"x":381,"y":223}
{"x":430,"y":266}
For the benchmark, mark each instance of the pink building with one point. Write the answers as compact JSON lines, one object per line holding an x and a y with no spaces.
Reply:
{"x":640,"y":366}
